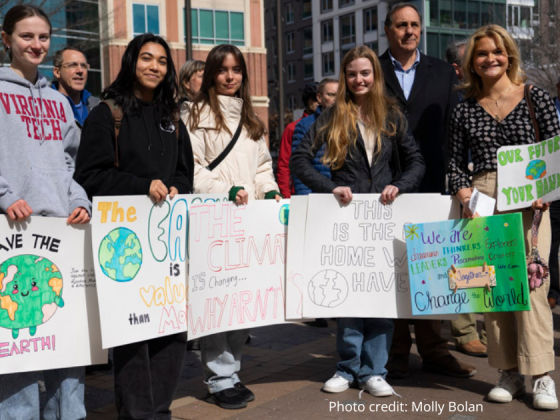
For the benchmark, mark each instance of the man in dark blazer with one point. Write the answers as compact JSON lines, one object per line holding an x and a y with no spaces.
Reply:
{"x":424,"y":89}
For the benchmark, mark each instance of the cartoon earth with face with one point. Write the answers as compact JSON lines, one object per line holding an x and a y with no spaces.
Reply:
{"x":30,"y":292}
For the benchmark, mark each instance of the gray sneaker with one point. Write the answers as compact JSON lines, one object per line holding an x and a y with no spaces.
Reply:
{"x":511,"y":385}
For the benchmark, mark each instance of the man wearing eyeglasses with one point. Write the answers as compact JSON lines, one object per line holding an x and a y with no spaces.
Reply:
{"x":71,"y":73}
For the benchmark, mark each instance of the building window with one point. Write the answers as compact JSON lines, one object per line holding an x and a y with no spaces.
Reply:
{"x":145,"y":19}
{"x":326,"y":6}
{"x":327,"y":31}
{"x":519,"y":16}
{"x":328,"y":63}
{"x":343,"y":52}
{"x":291,"y":102}
{"x":445,"y":16}
{"x":473,"y":14}
{"x":290,"y":42}
{"x":307,"y":41}
{"x":308,"y":68}
{"x":306,"y":10}
{"x":291,"y":72}
{"x":348,"y":30}
{"x":344,"y":3}
{"x":217,"y":27}
{"x":289,"y":13}
{"x":460,"y":13}
{"x":370,"y":20}
{"x":374,"y":46}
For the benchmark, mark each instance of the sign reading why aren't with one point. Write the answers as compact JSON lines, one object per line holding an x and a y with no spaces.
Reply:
{"x":527,"y":173}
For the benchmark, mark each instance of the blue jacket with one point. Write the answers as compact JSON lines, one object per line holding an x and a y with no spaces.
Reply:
{"x":87,"y":100}
{"x":299,"y":133}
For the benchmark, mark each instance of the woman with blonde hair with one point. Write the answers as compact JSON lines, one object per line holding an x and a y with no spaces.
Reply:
{"x":369,"y":150}
{"x":497,"y":112}
{"x":190,"y":80}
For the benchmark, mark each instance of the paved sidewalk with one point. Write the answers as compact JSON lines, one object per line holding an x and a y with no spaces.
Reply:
{"x":286,"y":365}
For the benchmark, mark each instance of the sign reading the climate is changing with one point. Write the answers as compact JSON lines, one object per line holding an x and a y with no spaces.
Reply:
{"x":48,"y":303}
{"x":527,"y":173}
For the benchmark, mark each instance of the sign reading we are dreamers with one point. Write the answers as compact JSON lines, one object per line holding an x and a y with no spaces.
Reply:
{"x":465,"y":266}
{"x":527,"y":173}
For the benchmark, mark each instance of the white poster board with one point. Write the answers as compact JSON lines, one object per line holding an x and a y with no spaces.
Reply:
{"x":49,"y":315}
{"x":527,"y":173}
{"x":237,"y":262}
{"x":355,"y":255}
{"x":140,"y":254}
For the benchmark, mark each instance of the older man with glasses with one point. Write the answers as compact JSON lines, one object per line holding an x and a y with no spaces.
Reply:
{"x":71,"y":73}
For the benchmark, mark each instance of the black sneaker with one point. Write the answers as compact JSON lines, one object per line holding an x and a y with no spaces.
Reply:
{"x":245,"y":392}
{"x":229,"y":398}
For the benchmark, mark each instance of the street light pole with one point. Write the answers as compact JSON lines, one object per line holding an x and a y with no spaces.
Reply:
{"x":188,"y":30}
{"x":279,"y":36}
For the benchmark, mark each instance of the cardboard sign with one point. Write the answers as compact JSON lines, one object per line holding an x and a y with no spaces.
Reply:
{"x":49,"y":315}
{"x":485,"y":257}
{"x":527,"y":173}
{"x":354,"y":261}
{"x":237,"y":264}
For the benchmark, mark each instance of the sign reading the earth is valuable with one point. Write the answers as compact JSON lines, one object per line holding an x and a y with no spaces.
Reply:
{"x":466,"y":266}
{"x":527,"y":173}
{"x":237,"y":259}
{"x":355,"y":255}
{"x":48,"y":303}
{"x":140,"y":252}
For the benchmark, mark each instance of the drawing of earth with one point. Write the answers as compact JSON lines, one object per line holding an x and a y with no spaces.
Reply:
{"x":30,"y":292}
{"x":120,"y":255}
{"x":536,"y":169}
{"x":328,"y":288}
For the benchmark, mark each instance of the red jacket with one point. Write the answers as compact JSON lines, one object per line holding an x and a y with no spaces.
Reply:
{"x":283,"y":174}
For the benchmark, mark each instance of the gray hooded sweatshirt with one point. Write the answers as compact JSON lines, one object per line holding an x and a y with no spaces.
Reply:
{"x":38,"y":144}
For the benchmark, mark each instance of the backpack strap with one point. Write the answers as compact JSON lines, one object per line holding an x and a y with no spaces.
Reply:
{"x":117,"y":113}
{"x":527,"y":94}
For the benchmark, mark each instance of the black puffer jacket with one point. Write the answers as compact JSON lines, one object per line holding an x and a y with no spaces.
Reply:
{"x":357,"y":173}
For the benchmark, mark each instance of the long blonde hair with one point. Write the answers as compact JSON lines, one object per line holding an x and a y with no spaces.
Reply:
{"x":472,"y":83}
{"x":341,"y":130}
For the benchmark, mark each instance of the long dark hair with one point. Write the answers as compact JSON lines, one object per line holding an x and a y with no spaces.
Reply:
{"x":208,"y":96}
{"x":20,"y":12}
{"x":122,"y":89}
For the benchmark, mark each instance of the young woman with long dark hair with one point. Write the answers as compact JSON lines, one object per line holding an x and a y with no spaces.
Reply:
{"x":367,"y":146}
{"x":37,"y":154}
{"x":147,"y":158}
{"x":221,"y":107}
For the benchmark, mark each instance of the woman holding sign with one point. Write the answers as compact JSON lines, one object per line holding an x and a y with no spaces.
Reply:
{"x":37,"y":153}
{"x":231,"y":156}
{"x":149,"y":153}
{"x":369,"y":150}
{"x":497,"y":112}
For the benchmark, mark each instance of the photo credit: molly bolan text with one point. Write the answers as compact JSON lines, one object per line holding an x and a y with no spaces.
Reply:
{"x":433,"y":407}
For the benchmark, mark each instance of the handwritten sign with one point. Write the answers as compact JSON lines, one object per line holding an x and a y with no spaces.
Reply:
{"x":237,"y":261}
{"x":140,"y":251}
{"x":486,"y":257}
{"x":527,"y":173}
{"x":48,"y":303}
{"x":354,"y":261}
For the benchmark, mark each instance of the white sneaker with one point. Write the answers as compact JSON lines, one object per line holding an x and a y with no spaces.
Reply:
{"x":511,"y":385}
{"x":337,"y":384}
{"x":378,"y":387}
{"x":544,"y":394}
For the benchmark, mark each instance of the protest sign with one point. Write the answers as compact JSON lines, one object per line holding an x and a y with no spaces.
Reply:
{"x":237,"y":261}
{"x":528,"y":172}
{"x":468,"y":265}
{"x":140,"y":253}
{"x":49,"y":315}
{"x":355,"y":255}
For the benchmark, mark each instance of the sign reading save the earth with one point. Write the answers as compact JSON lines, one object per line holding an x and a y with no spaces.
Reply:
{"x":465,"y":266}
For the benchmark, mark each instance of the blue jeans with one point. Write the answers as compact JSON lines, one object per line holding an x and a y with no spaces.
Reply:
{"x":363,"y":346}
{"x":19,"y":395}
{"x":221,"y":358}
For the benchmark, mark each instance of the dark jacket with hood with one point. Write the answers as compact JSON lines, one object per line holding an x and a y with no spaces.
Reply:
{"x":146,"y":152}
{"x":403,"y":167}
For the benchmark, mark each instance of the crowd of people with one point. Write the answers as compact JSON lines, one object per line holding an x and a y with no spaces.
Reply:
{"x":399,"y":123}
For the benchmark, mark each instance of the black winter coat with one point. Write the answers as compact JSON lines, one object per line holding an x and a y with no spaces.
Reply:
{"x":357,"y":173}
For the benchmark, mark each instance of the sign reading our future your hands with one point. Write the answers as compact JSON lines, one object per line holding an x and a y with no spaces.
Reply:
{"x":140,"y":253}
{"x":465,"y":266}
{"x":527,"y":173}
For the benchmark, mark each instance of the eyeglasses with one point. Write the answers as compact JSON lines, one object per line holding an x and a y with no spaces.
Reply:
{"x":74,"y":65}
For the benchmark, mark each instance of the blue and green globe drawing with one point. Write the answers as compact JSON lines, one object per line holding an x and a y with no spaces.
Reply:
{"x":120,"y":255}
{"x":536,"y":169}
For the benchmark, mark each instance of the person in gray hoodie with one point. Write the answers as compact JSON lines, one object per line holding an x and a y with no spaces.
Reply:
{"x":38,"y":145}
